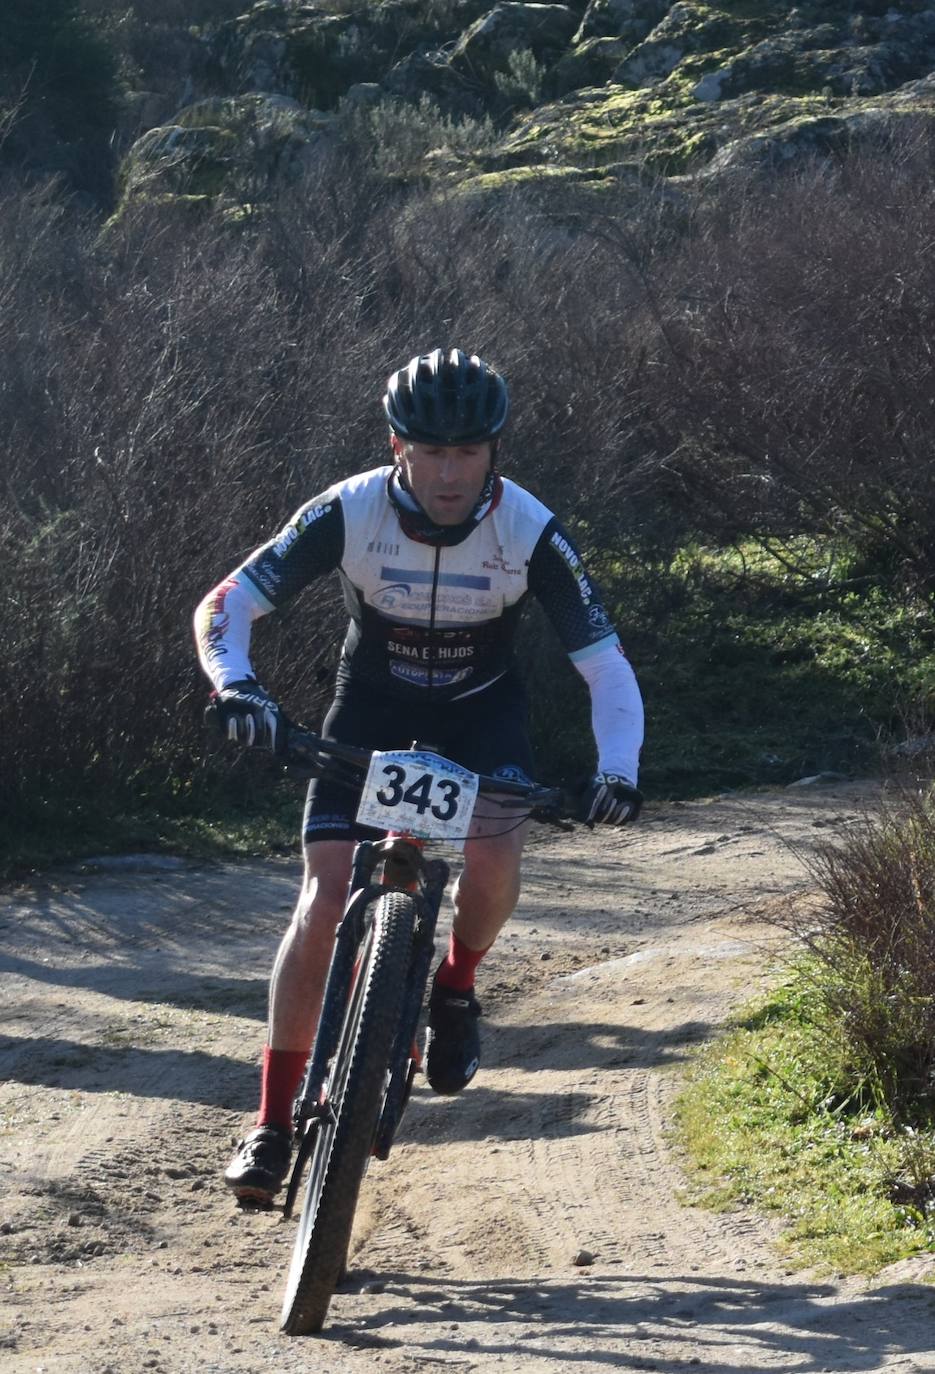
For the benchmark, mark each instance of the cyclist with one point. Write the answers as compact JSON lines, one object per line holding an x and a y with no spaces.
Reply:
{"x":436,"y":553}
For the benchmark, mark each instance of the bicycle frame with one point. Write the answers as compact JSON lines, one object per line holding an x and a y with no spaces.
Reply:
{"x":406,"y":870}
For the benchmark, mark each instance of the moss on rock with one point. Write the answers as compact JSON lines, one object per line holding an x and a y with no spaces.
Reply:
{"x":228,"y":149}
{"x":673,"y":134}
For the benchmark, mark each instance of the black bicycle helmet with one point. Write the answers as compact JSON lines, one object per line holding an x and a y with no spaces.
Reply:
{"x":446,"y":399}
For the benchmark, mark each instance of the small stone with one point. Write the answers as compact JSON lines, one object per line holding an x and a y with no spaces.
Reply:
{"x":375,"y":1287}
{"x":582,"y":1259}
{"x":74,"y":1219}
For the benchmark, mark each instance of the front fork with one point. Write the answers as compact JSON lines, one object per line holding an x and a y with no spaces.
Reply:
{"x":406,"y":1058}
{"x":404,"y":870}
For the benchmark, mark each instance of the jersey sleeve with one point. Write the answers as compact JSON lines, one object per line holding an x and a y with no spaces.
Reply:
{"x":572,"y":601}
{"x":310,"y":545}
{"x":616,"y":710}
{"x":560,"y":583}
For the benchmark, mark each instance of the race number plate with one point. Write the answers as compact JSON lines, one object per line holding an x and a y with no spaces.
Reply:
{"x":419,"y":793}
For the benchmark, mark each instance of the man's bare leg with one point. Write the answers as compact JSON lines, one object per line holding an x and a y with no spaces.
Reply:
{"x":259,"y":1167}
{"x":485,"y":895}
{"x":488,"y":888}
{"x":301,"y":965}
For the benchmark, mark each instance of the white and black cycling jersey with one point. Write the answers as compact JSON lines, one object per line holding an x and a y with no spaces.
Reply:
{"x":426,"y":616}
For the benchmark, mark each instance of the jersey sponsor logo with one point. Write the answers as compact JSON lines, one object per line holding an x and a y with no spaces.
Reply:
{"x":216,"y":622}
{"x":418,"y":676}
{"x":497,"y":563}
{"x":310,"y":516}
{"x":291,"y":533}
{"x":511,"y":772}
{"x":442,"y":653}
{"x":268,"y":578}
{"x":598,"y":618}
{"x":285,"y":541}
{"x":416,"y":602}
{"x":418,"y":577}
{"x":574,"y":563}
{"x":388,"y":598}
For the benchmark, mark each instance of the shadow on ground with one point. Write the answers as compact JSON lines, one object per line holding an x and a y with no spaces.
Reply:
{"x":749,"y":1326}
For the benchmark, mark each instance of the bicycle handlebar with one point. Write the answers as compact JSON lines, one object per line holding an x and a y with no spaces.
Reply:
{"x":310,"y":753}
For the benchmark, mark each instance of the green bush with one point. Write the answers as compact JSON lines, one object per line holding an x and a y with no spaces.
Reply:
{"x":521,"y":86}
{"x":764,"y":1122}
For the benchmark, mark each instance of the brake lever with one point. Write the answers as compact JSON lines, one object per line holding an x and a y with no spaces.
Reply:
{"x":546,"y":817}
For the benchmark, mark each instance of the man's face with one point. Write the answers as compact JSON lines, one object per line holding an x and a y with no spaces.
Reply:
{"x":446,"y":482}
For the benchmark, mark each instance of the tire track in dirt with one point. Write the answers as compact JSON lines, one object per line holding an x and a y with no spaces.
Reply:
{"x":130,"y":1054}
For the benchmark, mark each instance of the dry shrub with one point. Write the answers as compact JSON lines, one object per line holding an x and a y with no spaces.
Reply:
{"x":872,"y":941}
{"x":170,"y":392}
{"x":801,"y":386}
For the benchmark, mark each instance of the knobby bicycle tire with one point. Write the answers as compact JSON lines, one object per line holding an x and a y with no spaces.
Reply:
{"x":342,"y":1147}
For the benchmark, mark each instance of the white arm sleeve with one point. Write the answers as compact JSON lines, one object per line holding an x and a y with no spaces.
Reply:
{"x":222,"y":629}
{"x":616,"y":708}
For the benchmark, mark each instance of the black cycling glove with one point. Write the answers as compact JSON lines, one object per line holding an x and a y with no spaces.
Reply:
{"x":247,"y":714}
{"x":609,"y":799}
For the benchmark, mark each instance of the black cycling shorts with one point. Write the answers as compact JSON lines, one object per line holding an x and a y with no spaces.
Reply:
{"x":486,"y":732}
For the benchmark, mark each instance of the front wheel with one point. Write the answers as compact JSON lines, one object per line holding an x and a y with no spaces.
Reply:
{"x":342,"y":1144}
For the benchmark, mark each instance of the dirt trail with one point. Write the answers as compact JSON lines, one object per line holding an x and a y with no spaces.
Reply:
{"x":131,"y":1022}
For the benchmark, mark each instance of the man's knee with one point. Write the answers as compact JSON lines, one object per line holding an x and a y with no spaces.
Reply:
{"x":492,"y":866}
{"x":324,"y":885}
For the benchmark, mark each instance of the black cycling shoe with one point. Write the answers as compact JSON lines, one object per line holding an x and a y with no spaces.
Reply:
{"x":260,"y":1164}
{"x":452,"y":1042}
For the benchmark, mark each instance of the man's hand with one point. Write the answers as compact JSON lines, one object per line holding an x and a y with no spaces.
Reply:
{"x":609,"y":799}
{"x":247,"y":714}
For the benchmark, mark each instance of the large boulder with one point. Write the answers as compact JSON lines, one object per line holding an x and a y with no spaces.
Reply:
{"x":251,"y":52}
{"x":236,"y":150}
{"x":802,"y":61}
{"x":629,"y":20}
{"x":316,"y":55}
{"x":432,"y":74}
{"x":611,"y":124}
{"x":591,"y":63}
{"x":299,"y":51}
{"x":486,"y":47}
{"x":799,"y":139}
{"x":685,"y":30}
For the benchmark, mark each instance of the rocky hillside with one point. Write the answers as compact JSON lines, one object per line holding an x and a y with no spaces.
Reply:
{"x":527,"y":92}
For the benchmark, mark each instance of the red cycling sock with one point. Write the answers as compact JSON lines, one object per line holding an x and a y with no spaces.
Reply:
{"x":458,"y":969}
{"x":282,"y":1074}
